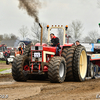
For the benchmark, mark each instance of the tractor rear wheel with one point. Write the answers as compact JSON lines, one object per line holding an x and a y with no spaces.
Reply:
{"x":76,"y":63}
{"x":68,"y":54}
{"x":57,"y":69}
{"x":92,"y":71}
{"x":80,"y":64}
{"x":18,"y":72}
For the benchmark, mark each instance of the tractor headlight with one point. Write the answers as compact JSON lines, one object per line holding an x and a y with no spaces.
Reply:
{"x":32,"y":47}
{"x":40,"y":48}
{"x":39,"y":59}
{"x":36,"y":48}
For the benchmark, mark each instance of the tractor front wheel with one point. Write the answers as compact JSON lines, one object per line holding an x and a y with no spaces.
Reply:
{"x":20,"y":73}
{"x":57,"y":70}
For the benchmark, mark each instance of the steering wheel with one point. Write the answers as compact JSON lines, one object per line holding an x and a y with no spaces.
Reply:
{"x":49,"y":43}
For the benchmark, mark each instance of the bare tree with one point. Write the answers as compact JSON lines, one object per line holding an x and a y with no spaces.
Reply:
{"x":92,"y":37}
{"x":69,"y":32}
{"x":24,"y":31}
{"x":1,"y":37}
{"x":87,"y":39}
{"x":6,"y":37}
{"x":76,"y":29}
{"x":12,"y":36}
{"x":60,"y":35}
{"x":36,"y":32}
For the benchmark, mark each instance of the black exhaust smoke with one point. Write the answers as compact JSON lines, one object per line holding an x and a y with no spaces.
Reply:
{"x":31,"y":6}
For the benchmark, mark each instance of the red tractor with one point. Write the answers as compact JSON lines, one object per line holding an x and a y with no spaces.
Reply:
{"x":3,"y":50}
{"x":40,"y":59}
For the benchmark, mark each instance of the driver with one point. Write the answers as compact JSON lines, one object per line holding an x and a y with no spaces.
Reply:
{"x":20,"y":50}
{"x":78,"y":43}
{"x":55,"y":42}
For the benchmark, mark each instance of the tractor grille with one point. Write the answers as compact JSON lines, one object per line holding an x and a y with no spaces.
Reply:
{"x":36,"y":47}
{"x":37,"y":52}
{"x":37,"y":55}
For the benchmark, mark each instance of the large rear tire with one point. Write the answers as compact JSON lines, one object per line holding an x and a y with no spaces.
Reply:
{"x":57,"y":69}
{"x":80,"y":64}
{"x":68,"y":54}
{"x":76,"y":63}
{"x":18,"y":72}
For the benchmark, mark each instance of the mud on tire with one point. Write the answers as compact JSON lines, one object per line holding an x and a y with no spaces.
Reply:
{"x":68,"y":54}
{"x":80,"y":64}
{"x":76,"y":63}
{"x":17,"y":68}
{"x":57,"y":69}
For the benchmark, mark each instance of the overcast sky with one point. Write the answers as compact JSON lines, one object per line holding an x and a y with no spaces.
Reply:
{"x":53,"y":12}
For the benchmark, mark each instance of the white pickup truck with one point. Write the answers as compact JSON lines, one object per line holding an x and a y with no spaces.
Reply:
{"x":10,"y":59}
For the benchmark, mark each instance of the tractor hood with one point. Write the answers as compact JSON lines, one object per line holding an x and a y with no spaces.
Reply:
{"x":38,"y":44}
{"x":44,"y":47}
{"x":41,"y":52}
{"x":49,"y":49}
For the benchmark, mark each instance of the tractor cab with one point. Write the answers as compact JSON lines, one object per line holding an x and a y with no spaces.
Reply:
{"x":47,"y":47}
{"x":41,"y":53}
{"x":62,"y":36}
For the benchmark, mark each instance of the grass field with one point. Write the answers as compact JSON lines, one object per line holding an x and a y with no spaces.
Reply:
{"x":4,"y":69}
{"x":2,"y":62}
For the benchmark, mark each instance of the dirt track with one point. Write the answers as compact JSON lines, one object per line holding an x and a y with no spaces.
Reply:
{"x":44,"y":90}
{"x":4,"y":66}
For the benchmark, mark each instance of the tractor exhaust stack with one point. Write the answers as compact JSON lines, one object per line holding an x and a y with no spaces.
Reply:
{"x":41,"y":33}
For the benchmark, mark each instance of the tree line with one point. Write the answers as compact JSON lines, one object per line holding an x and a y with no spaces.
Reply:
{"x":75,"y":30}
{"x":8,"y":37}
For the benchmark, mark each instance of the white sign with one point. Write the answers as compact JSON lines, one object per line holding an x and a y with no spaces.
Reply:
{"x":37,"y":54}
{"x":88,"y":47}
